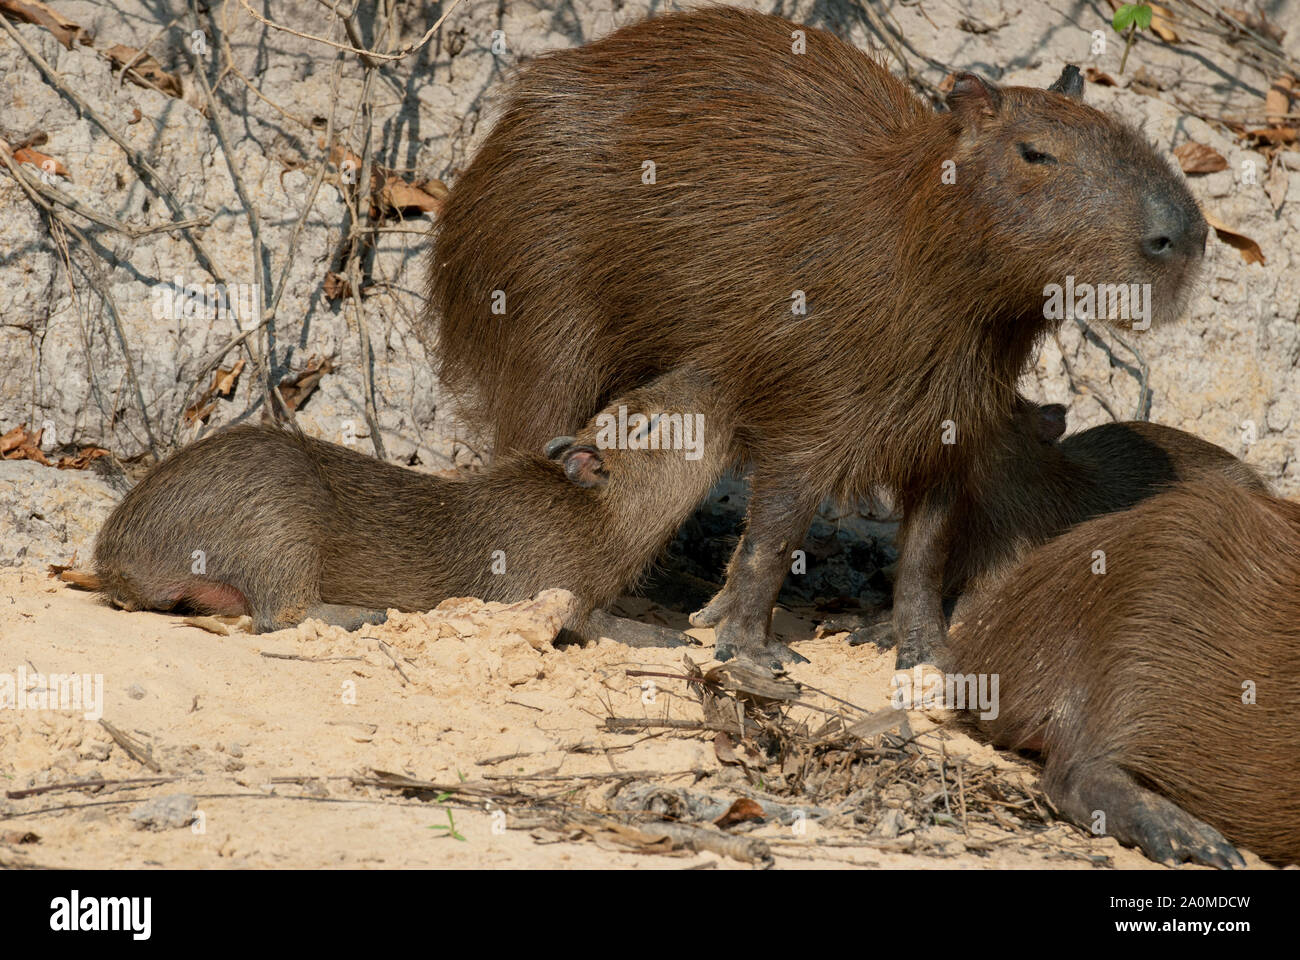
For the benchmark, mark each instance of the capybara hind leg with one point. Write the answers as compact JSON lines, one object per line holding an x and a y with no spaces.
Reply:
{"x":1105,"y":799}
{"x":742,"y":610}
{"x":630,"y":633}
{"x":347,"y":617}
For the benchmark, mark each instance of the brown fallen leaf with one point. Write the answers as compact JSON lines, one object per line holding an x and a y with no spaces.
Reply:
{"x":1196,"y":157}
{"x":223,"y":382}
{"x":1250,"y":251}
{"x":739,"y":812}
{"x":23,"y":444}
{"x":1093,"y":75}
{"x":82,"y":458}
{"x":1162,"y":24}
{"x":144,"y":70}
{"x":336,"y":286}
{"x":396,"y":196}
{"x":42,"y":161}
{"x":1274,"y":135}
{"x":64,"y":30}
{"x":300,"y":386}
{"x":1277,"y":102}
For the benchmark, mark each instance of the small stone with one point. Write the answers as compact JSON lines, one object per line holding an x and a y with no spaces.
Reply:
{"x":135,"y":691}
{"x":165,"y":813}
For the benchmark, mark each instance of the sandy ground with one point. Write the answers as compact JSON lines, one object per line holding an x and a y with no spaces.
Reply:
{"x":271,"y":748}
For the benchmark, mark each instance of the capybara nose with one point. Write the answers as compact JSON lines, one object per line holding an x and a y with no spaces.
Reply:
{"x":1172,"y":230}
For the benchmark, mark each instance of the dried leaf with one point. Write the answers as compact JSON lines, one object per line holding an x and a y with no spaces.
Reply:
{"x":336,"y":286}
{"x":742,"y":810}
{"x":144,"y":70}
{"x":1093,"y":75}
{"x":1162,"y":24}
{"x":1196,"y":157}
{"x":32,"y":11}
{"x":23,"y":444}
{"x":223,"y":381}
{"x":42,"y":161}
{"x":396,"y":195}
{"x":1250,"y":251}
{"x":300,"y":386}
{"x":1274,"y":135}
{"x":1277,"y":102}
{"x":82,"y":458}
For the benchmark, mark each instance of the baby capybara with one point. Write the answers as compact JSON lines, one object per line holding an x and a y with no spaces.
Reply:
{"x":865,"y":278}
{"x":1037,"y":488}
{"x":281,"y":526}
{"x":1153,"y":657}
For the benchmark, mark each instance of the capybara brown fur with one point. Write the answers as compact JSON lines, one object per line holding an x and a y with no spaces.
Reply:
{"x":1153,"y":657}
{"x":1036,"y":488}
{"x":865,"y":277}
{"x":282,"y":526}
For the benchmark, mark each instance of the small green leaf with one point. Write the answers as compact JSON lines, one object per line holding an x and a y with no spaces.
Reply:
{"x":1142,"y":17}
{"x":1124,"y":17}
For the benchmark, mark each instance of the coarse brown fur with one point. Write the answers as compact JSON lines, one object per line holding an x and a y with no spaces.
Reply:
{"x":1164,"y":693}
{"x":289,"y":526}
{"x":1035,"y":488}
{"x":779,"y":175}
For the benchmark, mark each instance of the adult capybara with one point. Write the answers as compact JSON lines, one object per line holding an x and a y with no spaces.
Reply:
{"x":865,"y":278}
{"x":281,"y":526}
{"x":1153,"y":657}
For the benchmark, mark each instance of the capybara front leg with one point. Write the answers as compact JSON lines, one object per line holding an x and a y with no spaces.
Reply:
{"x":742,"y":610}
{"x":919,"y":623}
{"x":1105,"y":799}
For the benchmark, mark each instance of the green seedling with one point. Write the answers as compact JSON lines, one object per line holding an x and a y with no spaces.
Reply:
{"x":450,"y":825}
{"x":1128,"y":20}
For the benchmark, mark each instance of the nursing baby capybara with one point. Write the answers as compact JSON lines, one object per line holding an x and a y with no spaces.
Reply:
{"x":281,"y":526}
{"x":1153,"y":657}
{"x":864,"y":277}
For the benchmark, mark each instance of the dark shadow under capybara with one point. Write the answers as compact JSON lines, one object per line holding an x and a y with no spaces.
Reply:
{"x":1164,"y":692}
{"x":281,"y":526}
{"x":863,"y":276}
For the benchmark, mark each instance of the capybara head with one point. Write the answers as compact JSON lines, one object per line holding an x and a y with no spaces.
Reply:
{"x":1076,"y":202}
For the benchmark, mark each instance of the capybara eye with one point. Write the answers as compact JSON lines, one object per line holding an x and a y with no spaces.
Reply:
{"x":1030,"y":155}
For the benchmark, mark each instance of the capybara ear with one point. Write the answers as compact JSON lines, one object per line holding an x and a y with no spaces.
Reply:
{"x":1070,"y":83}
{"x":556,"y":446}
{"x":585,"y":467}
{"x":1051,"y":422}
{"x":974,"y":99}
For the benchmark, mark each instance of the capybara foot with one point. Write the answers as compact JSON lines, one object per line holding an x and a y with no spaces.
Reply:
{"x":918,"y":640}
{"x":749,"y":641}
{"x":583,"y":464}
{"x":347,"y":617}
{"x":634,"y":633}
{"x":1106,"y":799}
{"x":880,"y":633}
